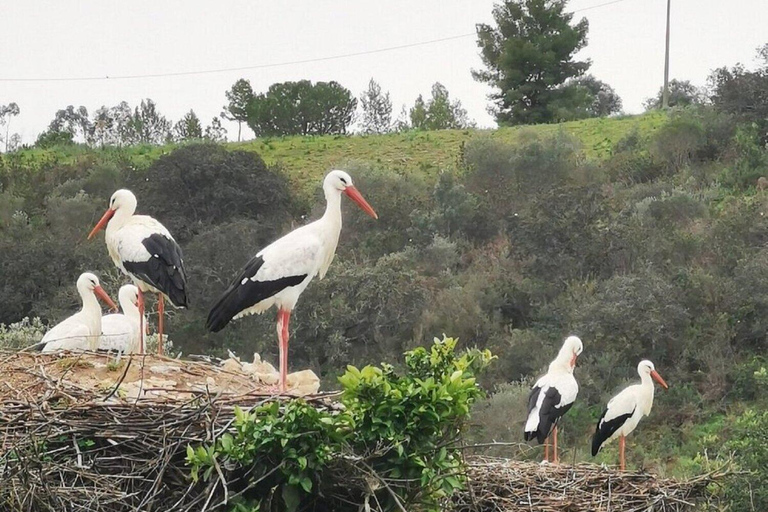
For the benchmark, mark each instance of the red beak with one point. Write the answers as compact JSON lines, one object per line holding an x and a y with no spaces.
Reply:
{"x":655,"y":375}
{"x":103,"y":222}
{"x":573,"y":360}
{"x":354,"y":195}
{"x":100,"y":293}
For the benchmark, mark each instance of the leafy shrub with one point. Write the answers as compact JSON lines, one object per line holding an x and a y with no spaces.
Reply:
{"x":633,"y":167}
{"x":747,"y":442}
{"x":751,"y":159}
{"x":21,"y":334}
{"x":677,"y":141}
{"x":394,"y":441}
{"x":198,"y":185}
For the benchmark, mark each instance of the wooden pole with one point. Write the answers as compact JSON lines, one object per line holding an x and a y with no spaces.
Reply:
{"x":665,"y":93}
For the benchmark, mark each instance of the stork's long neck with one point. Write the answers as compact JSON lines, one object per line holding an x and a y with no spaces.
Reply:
{"x":647,"y":392}
{"x":562,"y":363}
{"x":120,"y":217}
{"x":130,"y":310}
{"x":91,"y":312}
{"x":332,"y":216}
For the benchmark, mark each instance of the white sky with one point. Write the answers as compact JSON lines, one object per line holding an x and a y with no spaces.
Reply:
{"x":65,"y":38}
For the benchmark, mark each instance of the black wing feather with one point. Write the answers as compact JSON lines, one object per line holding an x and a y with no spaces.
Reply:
{"x":549,"y":414}
{"x":239,"y":296}
{"x":532,"y":399}
{"x":606,"y":429}
{"x":164,"y":270}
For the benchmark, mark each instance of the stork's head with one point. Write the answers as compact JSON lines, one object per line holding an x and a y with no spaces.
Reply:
{"x":566,"y":358}
{"x":89,"y":283}
{"x":340,"y":181}
{"x":645,"y":367}
{"x":124,"y":201}
{"x":573,"y":348}
{"x":128,"y":297}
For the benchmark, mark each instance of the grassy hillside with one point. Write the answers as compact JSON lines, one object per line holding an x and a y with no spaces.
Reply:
{"x":305,"y":160}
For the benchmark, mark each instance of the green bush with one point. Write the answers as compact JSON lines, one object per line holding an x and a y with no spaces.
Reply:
{"x":394,"y":442}
{"x":678,"y":141}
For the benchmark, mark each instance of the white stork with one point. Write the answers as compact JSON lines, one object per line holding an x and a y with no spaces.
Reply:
{"x":80,"y":331}
{"x":281,"y":271}
{"x":552,"y":396}
{"x":122,"y":332}
{"x":626,"y":409}
{"x":145,"y":251}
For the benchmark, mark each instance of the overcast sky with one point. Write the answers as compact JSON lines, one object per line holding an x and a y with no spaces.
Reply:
{"x":97,"y":38}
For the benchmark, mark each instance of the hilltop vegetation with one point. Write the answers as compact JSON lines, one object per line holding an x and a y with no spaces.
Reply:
{"x":643,"y":235}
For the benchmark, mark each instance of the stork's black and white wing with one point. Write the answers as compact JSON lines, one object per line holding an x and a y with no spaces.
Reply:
{"x":284,"y":267}
{"x":148,"y":252}
{"x":548,"y":401}
{"x":616,"y":414}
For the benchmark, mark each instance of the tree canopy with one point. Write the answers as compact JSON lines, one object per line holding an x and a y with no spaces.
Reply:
{"x":439,"y":112}
{"x":302,"y":108}
{"x":529,"y":56}
{"x":377,"y":109}
{"x":238,"y":97}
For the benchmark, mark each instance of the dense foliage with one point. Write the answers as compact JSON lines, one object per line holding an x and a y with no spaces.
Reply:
{"x":530,"y":55}
{"x":392,"y":443}
{"x":301,"y":108}
{"x":648,"y":244}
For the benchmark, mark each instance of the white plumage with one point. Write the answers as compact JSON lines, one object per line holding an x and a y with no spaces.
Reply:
{"x":145,"y":251}
{"x":625,"y":410}
{"x":121,"y":332}
{"x":553,"y":394}
{"x":280,"y":272}
{"x":80,"y":331}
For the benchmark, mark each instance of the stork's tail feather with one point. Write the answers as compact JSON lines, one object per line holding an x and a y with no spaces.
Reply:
{"x":221,"y":314}
{"x":597,"y":442}
{"x":178,"y":297}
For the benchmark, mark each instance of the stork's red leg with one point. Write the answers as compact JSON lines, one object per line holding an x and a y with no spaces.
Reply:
{"x":622,"y":464}
{"x":554,"y":446}
{"x":141,"y":318}
{"x":283,"y":320}
{"x":160,"y":314}
{"x":546,"y":450}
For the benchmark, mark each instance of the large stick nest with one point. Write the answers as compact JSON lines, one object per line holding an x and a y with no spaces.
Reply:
{"x":73,"y":439}
{"x":501,"y":485}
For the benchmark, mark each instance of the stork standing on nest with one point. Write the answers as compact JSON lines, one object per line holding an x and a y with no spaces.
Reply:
{"x":145,"y":251}
{"x":80,"y":331}
{"x":122,"y":332}
{"x":626,"y":409}
{"x":278,"y":274}
{"x":552,"y":396}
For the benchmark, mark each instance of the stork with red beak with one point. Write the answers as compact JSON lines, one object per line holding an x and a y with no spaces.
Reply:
{"x":280,"y":272}
{"x":145,"y":251}
{"x":80,"y":331}
{"x":626,"y":409}
{"x":552,"y":396}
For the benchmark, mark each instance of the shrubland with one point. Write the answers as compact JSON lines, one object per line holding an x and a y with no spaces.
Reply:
{"x":645,"y":236}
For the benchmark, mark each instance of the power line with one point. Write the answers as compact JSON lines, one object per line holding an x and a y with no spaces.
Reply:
{"x":599,"y":5}
{"x":243,"y":68}
{"x":264,"y":66}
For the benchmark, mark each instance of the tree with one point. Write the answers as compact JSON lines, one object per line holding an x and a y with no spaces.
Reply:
{"x":529,"y":55}
{"x":214,"y":132}
{"x":743,"y":93}
{"x":401,"y":124}
{"x":301,"y":108}
{"x":439,"y":113}
{"x":104,"y":127}
{"x":239,"y":97}
{"x":602,"y":100}
{"x":681,"y":93}
{"x":73,"y":121}
{"x":6,"y":113}
{"x":188,"y":127}
{"x":377,"y":109}
{"x":146,"y":125}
